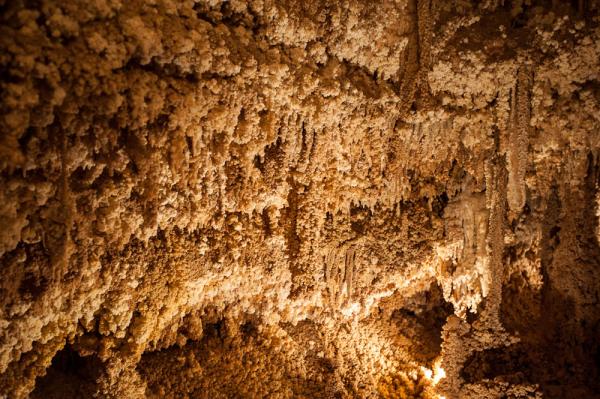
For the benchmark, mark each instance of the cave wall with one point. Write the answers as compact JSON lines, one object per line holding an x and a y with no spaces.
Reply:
{"x":272,"y":198}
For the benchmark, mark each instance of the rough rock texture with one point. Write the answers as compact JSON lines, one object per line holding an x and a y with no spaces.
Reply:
{"x":319,"y":199}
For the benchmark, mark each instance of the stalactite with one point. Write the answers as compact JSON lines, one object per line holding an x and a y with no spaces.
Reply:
{"x":518,"y":140}
{"x":291,"y":199}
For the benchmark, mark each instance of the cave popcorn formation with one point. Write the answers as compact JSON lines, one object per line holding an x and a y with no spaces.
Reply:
{"x":299,"y":199}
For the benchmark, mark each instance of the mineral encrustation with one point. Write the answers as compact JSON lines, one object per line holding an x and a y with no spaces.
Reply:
{"x":299,"y":199}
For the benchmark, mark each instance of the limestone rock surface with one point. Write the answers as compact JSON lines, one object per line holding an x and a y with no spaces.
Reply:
{"x":299,"y":199}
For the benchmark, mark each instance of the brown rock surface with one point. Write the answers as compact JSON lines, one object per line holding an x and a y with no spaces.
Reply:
{"x":288,"y":199}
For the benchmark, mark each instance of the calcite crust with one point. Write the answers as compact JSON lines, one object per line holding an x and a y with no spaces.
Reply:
{"x":288,"y":199}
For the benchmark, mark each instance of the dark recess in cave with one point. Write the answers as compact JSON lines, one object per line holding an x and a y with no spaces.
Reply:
{"x":69,"y":376}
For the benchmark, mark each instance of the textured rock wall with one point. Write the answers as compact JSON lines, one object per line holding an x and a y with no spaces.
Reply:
{"x":276,"y":198}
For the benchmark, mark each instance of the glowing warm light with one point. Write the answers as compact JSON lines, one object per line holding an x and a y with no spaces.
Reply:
{"x":427,"y":373}
{"x":438,"y":374}
{"x":434,"y":375}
